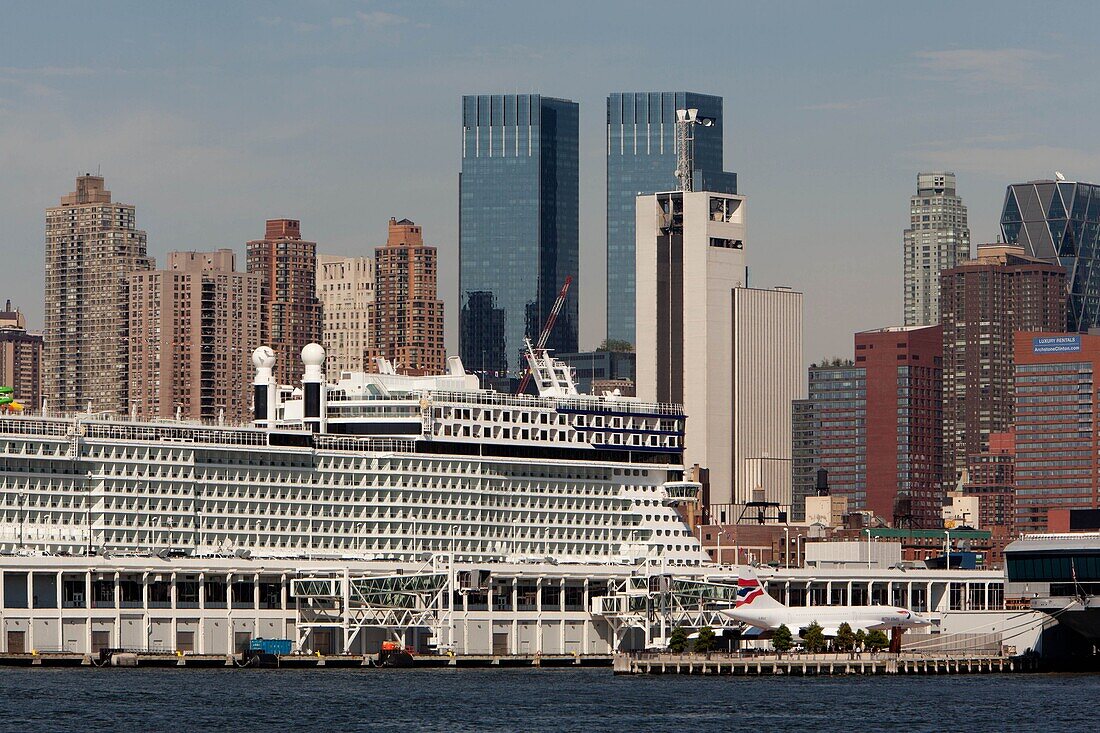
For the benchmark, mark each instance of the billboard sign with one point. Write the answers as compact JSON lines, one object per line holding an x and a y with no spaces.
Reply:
{"x":1055,"y":344}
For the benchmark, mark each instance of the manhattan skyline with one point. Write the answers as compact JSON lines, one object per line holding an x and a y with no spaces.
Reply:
{"x":342,"y":113}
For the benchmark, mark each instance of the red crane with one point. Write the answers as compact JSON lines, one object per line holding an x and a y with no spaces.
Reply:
{"x":544,"y":335}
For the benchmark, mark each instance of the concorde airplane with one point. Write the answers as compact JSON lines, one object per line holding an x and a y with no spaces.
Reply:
{"x":756,"y":608}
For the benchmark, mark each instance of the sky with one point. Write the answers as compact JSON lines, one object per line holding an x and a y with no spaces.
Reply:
{"x":212,"y":117}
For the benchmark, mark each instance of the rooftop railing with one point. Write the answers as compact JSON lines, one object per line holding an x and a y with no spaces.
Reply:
{"x":580,"y":402}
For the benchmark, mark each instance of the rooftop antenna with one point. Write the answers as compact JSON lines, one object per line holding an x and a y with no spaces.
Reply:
{"x":686,"y":120}
{"x":1058,"y":176}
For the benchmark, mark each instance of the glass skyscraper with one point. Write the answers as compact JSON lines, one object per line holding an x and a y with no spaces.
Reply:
{"x":518,"y":227}
{"x":1059,"y":221}
{"x":641,"y":158}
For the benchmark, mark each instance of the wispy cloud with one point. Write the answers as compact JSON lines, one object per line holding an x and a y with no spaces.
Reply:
{"x":1007,"y":162}
{"x":840,"y":105}
{"x":987,"y":140}
{"x":509,"y":53}
{"x":295,"y":25}
{"x":985,"y":67}
{"x":25,"y":72}
{"x":369,"y":19}
{"x":380,"y":18}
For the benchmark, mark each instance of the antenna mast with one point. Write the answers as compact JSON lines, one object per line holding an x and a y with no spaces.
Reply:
{"x":686,"y":120}
{"x":685,"y":148}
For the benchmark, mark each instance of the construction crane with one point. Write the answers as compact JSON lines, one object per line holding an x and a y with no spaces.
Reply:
{"x":544,"y":335}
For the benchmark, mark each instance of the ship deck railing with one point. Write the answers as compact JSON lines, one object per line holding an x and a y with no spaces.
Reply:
{"x":184,"y":432}
{"x":582,"y":402}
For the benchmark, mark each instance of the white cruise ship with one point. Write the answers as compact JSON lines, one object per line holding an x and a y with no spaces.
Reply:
{"x":372,"y":466}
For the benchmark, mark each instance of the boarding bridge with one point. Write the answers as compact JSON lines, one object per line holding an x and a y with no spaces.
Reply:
{"x":657,"y":602}
{"x":353,"y":602}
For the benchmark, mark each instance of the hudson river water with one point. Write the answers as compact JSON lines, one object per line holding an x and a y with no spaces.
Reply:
{"x":586,"y":701}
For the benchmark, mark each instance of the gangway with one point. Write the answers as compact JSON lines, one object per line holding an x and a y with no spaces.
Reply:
{"x":353,"y":602}
{"x":656,"y":602}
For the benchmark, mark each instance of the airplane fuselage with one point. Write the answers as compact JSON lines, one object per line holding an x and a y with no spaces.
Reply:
{"x":830,"y":618}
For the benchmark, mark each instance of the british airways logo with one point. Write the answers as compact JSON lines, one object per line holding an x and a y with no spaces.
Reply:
{"x":747,"y":592}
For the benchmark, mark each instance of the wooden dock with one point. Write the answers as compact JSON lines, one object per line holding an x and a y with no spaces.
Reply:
{"x":807,"y":665}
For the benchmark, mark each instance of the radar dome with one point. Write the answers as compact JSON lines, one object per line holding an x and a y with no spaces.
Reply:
{"x":263,"y":357}
{"x":313,"y":355}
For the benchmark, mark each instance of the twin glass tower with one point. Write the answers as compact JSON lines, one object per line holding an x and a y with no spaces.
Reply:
{"x":519,"y":207}
{"x":641,"y":159}
{"x":518,"y":228}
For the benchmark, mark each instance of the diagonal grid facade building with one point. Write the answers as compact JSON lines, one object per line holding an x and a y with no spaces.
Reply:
{"x":1059,"y":222}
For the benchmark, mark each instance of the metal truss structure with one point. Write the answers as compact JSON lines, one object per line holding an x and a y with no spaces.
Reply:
{"x":657,"y":602}
{"x":395,"y":603}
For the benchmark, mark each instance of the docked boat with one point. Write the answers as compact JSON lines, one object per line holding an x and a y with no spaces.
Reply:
{"x":1060,"y":575}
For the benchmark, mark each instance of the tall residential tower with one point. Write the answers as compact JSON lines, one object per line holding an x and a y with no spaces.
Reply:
{"x":345,"y":286}
{"x":408,"y":322}
{"x":641,"y":159}
{"x":193,"y":327}
{"x":875,"y":425}
{"x":984,"y":302}
{"x":518,"y":226}
{"x":937,"y":239}
{"x":20,"y":358}
{"x":290,"y":312}
{"x":91,"y":246}
{"x":1057,"y":442}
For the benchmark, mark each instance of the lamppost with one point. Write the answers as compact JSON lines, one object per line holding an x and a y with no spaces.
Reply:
{"x":947,"y":549}
{"x":868,"y":531}
{"x":787,"y":547}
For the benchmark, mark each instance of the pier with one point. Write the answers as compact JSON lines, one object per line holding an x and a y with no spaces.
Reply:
{"x":126,"y":658}
{"x":806,"y":665}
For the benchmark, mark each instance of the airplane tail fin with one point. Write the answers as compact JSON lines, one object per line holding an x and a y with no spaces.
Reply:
{"x":750,"y":592}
